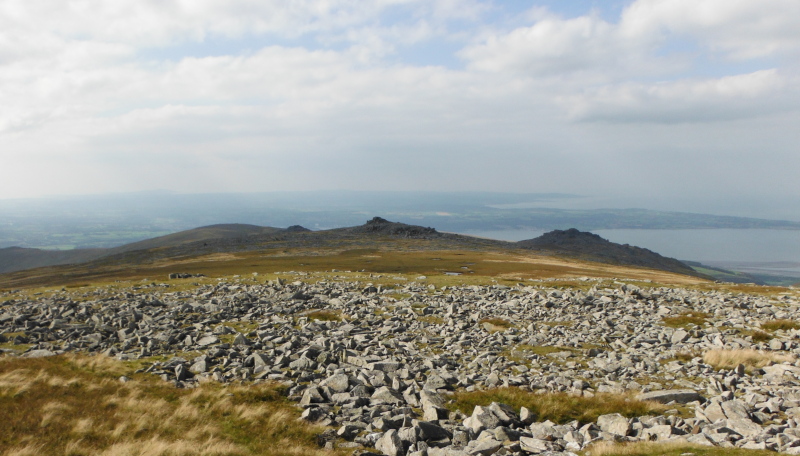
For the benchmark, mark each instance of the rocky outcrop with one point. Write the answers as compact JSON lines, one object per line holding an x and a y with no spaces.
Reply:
{"x":379,"y":225}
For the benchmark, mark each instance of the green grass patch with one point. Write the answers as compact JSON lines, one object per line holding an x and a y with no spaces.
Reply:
{"x":557,"y":407}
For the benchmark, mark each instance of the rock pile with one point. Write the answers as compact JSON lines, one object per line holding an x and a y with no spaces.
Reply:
{"x":379,"y":365}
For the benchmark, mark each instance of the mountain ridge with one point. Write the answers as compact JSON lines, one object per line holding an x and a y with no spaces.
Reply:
{"x":231,"y":238}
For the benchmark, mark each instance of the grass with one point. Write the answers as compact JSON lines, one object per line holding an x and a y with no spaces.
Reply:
{"x":557,"y":407}
{"x":686,"y":319}
{"x":553,"y":324}
{"x":780,"y":325}
{"x":324,"y":315}
{"x":752,"y":359}
{"x":760,"y":336}
{"x":541,"y":350}
{"x":75,"y":405}
{"x":685,"y":356}
{"x":496,"y":324}
{"x":390,"y":256}
{"x":666,"y":449}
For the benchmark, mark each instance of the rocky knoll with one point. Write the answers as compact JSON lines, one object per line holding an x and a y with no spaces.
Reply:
{"x":592,"y":247}
{"x":379,"y":366}
{"x":380,"y":225}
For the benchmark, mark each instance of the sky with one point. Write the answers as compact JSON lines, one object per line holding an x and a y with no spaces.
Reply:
{"x":676,"y":104}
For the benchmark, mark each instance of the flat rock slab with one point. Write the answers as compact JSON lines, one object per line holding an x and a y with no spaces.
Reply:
{"x":39,"y":354}
{"x":681,"y":396}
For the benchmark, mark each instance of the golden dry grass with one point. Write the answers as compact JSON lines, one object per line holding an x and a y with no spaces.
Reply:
{"x":412,"y":257}
{"x":760,"y":336}
{"x":496,"y":324}
{"x":557,"y":407}
{"x":780,"y":325}
{"x":324,"y":315}
{"x":751,"y":359}
{"x":75,"y":405}
{"x":431,"y":320}
{"x":686,"y":319}
{"x":666,"y":449}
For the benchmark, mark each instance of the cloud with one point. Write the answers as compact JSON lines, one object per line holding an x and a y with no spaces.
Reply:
{"x":738,"y":29}
{"x":587,"y":47}
{"x":270,"y":95}
{"x":694,"y":100}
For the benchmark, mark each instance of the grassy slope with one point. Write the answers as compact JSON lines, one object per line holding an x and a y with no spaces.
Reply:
{"x":226,"y":231}
{"x":75,"y":405}
{"x":16,"y":259}
{"x":385,"y":255}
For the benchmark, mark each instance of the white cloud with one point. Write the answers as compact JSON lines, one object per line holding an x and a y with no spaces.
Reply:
{"x":340,"y":106}
{"x":694,"y":100}
{"x":739,"y":29}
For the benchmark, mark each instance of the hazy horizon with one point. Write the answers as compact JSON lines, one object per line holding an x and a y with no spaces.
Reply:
{"x":777,"y":208}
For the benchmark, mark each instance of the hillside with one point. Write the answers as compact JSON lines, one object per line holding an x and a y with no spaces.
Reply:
{"x":206,"y":233}
{"x":18,"y":259}
{"x":592,"y":247}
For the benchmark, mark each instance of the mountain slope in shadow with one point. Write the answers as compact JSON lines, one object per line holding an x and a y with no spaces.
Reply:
{"x":589,"y":246}
{"x":18,"y":259}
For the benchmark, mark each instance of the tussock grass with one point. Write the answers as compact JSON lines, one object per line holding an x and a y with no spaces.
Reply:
{"x":752,"y":359}
{"x":666,"y":449}
{"x":686,"y":319}
{"x":553,"y":324}
{"x":324,"y":315}
{"x":686,"y":356}
{"x":496,"y":324}
{"x":76,"y":405}
{"x":760,"y":336}
{"x":557,"y":407}
{"x":780,"y":325}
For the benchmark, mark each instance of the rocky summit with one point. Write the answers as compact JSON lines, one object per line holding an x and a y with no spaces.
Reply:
{"x":381,"y":366}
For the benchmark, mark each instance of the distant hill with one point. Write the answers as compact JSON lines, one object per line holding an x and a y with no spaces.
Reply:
{"x":233,"y":238}
{"x":212,"y":232}
{"x":107,"y":221}
{"x":18,"y":259}
{"x":588,"y":246}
